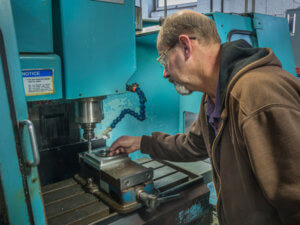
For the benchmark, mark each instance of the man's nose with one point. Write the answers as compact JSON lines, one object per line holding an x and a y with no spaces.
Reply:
{"x":166,"y":74}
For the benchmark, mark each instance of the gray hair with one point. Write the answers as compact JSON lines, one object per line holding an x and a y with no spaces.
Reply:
{"x":190,"y":23}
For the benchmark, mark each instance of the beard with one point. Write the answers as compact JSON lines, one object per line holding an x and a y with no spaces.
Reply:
{"x":180,"y":88}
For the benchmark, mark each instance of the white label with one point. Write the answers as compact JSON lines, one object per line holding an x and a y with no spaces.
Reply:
{"x":38,"y":82}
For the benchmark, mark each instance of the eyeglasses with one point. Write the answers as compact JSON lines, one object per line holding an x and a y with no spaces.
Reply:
{"x":163,"y":58}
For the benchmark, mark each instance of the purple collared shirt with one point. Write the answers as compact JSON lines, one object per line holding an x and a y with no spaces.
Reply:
{"x":213,"y":110}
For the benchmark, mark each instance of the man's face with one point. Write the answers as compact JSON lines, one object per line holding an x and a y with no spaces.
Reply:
{"x":172,"y":62}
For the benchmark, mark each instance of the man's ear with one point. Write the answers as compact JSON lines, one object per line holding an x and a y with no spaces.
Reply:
{"x":186,"y":44}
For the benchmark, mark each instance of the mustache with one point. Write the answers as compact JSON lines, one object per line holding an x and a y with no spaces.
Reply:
{"x":171,"y":81}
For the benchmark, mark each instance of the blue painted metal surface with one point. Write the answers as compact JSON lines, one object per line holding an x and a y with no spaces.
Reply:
{"x":129,"y":196}
{"x":273,"y":32}
{"x":126,"y":196}
{"x":212,"y":195}
{"x":9,"y":167}
{"x":190,"y":103}
{"x":138,"y":115}
{"x":33,"y":24}
{"x":45,"y":61}
{"x":149,"y":188}
{"x":98,"y":47}
{"x":190,"y":214}
{"x":270,"y":32}
{"x":10,"y":172}
{"x":226,"y":23}
{"x":162,"y":106}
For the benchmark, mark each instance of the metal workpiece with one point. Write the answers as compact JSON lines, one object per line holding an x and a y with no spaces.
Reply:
{"x":119,"y":170}
{"x":99,"y":158}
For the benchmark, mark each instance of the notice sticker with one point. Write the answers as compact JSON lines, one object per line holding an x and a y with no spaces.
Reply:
{"x":38,"y":81}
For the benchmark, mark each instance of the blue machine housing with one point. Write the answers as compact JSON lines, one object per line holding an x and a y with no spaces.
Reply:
{"x":273,"y":32}
{"x":162,"y":105}
{"x":97,"y":46}
{"x":14,"y":141}
{"x":33,"y":23}
{"x":269,"y":31}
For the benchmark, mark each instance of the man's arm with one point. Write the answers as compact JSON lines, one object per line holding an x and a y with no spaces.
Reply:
{"x":125,"y":144}
{"x":272,"y":139}
{"x":179,"y":147}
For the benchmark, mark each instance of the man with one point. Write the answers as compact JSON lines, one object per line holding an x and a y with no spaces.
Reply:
{"x":248,"y":124}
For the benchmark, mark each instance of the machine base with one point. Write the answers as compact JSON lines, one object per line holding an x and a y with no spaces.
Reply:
{"x":70,"y":202}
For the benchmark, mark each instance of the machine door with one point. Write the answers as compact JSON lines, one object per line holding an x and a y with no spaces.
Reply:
{"x":20,"y":198}
{"x":234,"y":27}
{"x":273,"y":32}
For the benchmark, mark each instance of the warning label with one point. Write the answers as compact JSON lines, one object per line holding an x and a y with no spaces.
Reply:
{"x":38,"y":82}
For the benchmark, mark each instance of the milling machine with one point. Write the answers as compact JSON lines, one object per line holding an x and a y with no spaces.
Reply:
{"x":117,"y":176}
{"x":74,"y":73}
{"x":122,"y":185}
{"x":120,"y":182}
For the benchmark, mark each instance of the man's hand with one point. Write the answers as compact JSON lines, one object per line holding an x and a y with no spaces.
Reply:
{"x":125,"y":144}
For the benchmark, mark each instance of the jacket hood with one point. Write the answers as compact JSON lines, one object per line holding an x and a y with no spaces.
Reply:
{"x":237,"y":58}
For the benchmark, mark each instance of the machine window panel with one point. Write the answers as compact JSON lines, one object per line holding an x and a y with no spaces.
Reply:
{"x":245,"y":37}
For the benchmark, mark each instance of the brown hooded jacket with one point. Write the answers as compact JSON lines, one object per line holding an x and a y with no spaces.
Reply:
{"x":256,"y":154}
